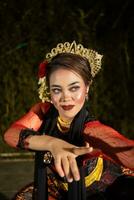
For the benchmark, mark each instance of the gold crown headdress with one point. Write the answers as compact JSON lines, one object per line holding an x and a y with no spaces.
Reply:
{"x":92,"y":56}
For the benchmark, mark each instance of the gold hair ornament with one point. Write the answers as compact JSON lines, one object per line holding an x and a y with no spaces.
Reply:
{"x":44,"y":94}
{"x":92,"y":56}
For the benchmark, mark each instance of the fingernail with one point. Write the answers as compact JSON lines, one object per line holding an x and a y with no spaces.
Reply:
{"x":91,"y":149}
{"x":77,"y":178}
{"x":70,"y":180}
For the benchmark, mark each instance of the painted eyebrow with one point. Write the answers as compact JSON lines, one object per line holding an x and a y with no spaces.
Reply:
{"x":71,"y":84}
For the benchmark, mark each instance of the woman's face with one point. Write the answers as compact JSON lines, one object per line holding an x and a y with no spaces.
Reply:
{"x":68,"y":91}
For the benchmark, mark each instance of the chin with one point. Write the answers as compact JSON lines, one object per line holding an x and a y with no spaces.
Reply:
{"x":70,"y":116}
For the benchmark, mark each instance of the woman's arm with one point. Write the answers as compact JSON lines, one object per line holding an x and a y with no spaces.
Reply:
{"x":64,"y":154}
{"x":32,"y":120}
{"x":111,"y":144}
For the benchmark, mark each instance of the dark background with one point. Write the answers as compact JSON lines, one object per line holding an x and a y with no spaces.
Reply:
{"x":30,"y":28}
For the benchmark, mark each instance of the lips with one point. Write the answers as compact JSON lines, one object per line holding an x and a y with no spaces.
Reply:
{"x":69,"y":107}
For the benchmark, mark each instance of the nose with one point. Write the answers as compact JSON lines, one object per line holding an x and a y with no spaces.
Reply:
{"x":65,"y":96}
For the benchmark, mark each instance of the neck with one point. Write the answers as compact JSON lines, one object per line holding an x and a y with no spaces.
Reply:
{"x":65,"y":120}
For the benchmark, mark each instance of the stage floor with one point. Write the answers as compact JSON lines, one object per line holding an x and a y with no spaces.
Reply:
{"x":14,"y":174}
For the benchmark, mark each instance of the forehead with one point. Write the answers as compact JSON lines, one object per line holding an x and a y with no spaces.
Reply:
{"x":65,"y":77}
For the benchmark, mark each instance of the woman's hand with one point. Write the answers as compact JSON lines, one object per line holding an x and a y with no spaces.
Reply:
{"x":65,"y":155}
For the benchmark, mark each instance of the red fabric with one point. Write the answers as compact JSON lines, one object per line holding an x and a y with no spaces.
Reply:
{"x":110,"y":144}
{"x":33,"y":120}
{"x":105,"y":140}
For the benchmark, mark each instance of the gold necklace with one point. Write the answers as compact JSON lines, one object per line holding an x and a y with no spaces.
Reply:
{"x":63,"y":125}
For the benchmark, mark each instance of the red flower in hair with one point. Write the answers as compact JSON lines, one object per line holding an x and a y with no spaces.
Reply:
{"x":42,"y":69}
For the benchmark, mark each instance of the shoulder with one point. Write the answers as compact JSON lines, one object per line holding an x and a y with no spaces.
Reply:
{"x":93,"y":123}
{"x":40,"y":107}
{"x":97,"y":127}
{"x":97,"y":124}
{"x":102,"y":131}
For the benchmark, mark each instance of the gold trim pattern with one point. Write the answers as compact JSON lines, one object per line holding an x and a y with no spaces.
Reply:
{"x":95,"y":175}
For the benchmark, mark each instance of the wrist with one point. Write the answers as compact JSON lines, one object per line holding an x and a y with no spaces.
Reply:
{"x":41,"y":142}
{"x":50,"y":142}
{"x":25,"y":134}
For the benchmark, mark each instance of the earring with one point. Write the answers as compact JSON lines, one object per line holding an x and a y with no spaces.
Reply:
{"x":51,"y":101}
{"x":86,"y":97}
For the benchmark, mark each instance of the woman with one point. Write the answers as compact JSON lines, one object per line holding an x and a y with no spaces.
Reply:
{"x":75,"y":145}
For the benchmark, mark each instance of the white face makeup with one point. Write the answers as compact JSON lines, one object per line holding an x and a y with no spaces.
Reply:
{"x":68,"y":92}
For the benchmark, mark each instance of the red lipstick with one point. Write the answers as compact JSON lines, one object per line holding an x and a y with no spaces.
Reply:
{"x":69,"y":107}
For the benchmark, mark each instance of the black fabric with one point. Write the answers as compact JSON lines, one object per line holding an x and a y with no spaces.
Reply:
{"x":122,"y":188}
{"x":77,"y":190}
{"x":40,"y":191}
{"x":23,"y":135}
{"x":74,"y":136}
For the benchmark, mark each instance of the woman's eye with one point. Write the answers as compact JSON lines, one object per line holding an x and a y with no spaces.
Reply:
{"x":56,"y":91}
{"x":73,"y":89}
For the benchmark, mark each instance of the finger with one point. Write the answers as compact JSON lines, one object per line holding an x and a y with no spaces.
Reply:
{"x":66,"y":168}
{"x":58,"y":166}
{"x":82,"y":150}
{"x":74,"y":168}
{"x":87,"y":144}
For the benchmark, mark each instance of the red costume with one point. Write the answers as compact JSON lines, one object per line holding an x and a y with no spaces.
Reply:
{"x":111,"y":158}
